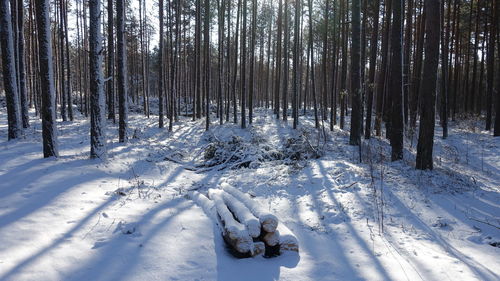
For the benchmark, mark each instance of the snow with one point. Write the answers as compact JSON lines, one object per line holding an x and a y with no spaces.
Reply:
{"x":128,"y":218}
{"x":269,"y":221}
{"x":243,"y":215}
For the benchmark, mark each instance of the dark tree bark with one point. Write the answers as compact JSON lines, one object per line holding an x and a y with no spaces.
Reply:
{"x":396,"y":84}
{"x":9,"y":71}
{"x":206,"y":39}
{"x":313,"y":82}
{"x":121,"y":55}
{"x":278,"y":61}
{"x":48,"y":112}
{"x":490,"y":67}
{"x":286,"y":64}
{"x":243,"y":66}
{"x":22,"y":64}
{"x":373,"y":65}
{"x":406,"y":59}
{"x":428,"y":86}
{"x":68,"y":90}
{"x":97,"y":122}
{"x":160,"y":67}
{"x":111,"y":69}
{"x":197,"y":59}
{"x":356,"y":119}
{"x":383,"y":67}
{"x":324,"y":62}
{"x":296,"y":65}
{"x":252,"y":63}
{"x":444,"y":70}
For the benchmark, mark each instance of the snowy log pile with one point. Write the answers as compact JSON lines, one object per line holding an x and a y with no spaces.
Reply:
{"x":246,"y":227}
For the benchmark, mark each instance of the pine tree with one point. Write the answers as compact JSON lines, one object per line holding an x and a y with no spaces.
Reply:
{"x":356,"y":119}
{"x":428,"y":86}
{"x":110,"y":65}
{"x":47,"y":89}
{"x":396,"y":84}
{"x":9,"y":71}
{"x":97,"y":121}
{"x":121,"y":55}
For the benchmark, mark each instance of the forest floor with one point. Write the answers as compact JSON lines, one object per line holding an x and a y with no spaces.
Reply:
{"x":128,"y":217}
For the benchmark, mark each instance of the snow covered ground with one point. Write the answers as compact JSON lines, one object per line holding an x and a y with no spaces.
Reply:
{"x":127,"y":218}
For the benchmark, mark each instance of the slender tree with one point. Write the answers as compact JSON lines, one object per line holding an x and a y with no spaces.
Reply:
{"x":243,"y":67}
{"x":356,"y":119}
{"x":206,"y":38}
{"x":47,"y":89}
{"x":490,"y":65}
{"x":121,"y":55}
{"x":296,"y":65}
{"x":97,"y":121}
{"x":160,"y":66}
{"x":311,"y":50}
{"x":371,"y":72}
{"x":428,"y":86}
{"x":21,"y":69}
{"x":251,"y":81}
{"x":396,"y":84}
{"x":9,"y":71}
{"x":111,"y":69}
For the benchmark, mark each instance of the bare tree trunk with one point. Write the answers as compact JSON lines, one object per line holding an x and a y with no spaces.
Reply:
{"x":396,"y":84}
{"x":207,"y":61}
{"x":22,"y":64}
{"x":9,"y":71}
{"x":373,"y":64}
{"x":122,"y":70}
{"x":97,"y":121}
{"x":296,"y":66}
{"x":48,"y":112}
{"x":428,"y":86}
{"x":252,"y":63}
{"x":313,"y":84}
{"x":356,"y":119}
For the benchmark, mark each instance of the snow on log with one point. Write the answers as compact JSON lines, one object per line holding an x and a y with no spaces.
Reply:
{"x":235,"y":233}
{"x":287,"y":240}
{"x":206,"y":204}
{"x":271,"y":238}
{"x":243,"y":214}
{"x":268,"y":221}
{"x":259,"y":248}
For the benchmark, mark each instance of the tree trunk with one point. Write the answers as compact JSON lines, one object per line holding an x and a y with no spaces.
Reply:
{"x":313,"y":82}
{"x":356,"y":119}
{"x":490,"y":68}
{"x":428,"y":86}
{"x":396,"y":84}
{"x":9,"y":71}
{"x":22,"y":64}
{"x":206,"y":39}
{"x":97,"y":121}
{"x":122,"y":70}
{"x":48,"y":112}
{"x":373,"y":65}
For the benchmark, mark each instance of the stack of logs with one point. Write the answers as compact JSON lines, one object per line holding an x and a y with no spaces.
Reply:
{"x":246,"y":227}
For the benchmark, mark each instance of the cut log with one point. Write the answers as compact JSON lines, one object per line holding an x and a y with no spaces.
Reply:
{"x":206,"y":204}
{"x":259,"y":248}
{"x":271,"y":238}
{"x":269,"y":222}
{"x":287,"y":240}
{"x":235,"y":234}
{"x":243,"y":214}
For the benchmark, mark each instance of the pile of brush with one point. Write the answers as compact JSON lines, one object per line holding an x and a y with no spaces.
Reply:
{"x":246,"y":227}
